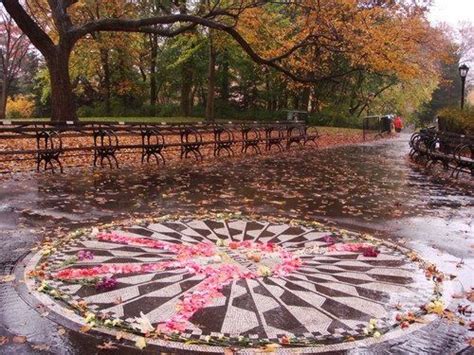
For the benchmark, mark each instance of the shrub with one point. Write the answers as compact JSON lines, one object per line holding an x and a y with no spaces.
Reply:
{"x":456,"y":120}
{"x":21,"y":106}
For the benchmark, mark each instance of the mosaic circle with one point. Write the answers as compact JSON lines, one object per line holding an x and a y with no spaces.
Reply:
{"x":232,"y":282}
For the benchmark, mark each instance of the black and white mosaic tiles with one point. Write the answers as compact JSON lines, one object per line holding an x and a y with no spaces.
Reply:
{"x":330,"y":297}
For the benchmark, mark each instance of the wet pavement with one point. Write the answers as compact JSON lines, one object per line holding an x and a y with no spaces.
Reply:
{"x":371,"y":187}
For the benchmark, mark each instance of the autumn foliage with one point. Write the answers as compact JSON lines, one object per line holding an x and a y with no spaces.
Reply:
{"x":307,"y":50}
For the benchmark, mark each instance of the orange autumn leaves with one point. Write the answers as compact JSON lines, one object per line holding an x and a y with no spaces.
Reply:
{"x":393,"y":40}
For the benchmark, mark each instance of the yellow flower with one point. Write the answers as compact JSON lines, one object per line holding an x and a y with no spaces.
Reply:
{"x":54,"y":293}
{"x":270,"y":348}
{"x":140,"y":343}
{"x":264,"y":271}
{"x":90,"y":317}
{"x":377,"y":334}
{"x":435,"y":307}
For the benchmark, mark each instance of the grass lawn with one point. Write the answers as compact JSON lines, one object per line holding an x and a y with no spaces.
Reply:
{"x":124,"y":119}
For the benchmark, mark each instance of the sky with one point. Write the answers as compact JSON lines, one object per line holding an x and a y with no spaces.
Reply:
{"x":452,"y":11}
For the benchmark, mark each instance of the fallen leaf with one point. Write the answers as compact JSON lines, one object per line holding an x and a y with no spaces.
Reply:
{"x":7,"y":278}
{"x":61,"y":331}
{"x":85,"y":328}
{"x":470,"y":296}
{"x":3,"y":340}
{"x":19,"y":339}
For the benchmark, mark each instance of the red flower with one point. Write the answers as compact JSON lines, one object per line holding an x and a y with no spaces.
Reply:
{"x":370,"y":252}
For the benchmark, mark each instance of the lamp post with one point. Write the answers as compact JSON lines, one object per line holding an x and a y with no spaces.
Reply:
{"x":463,"y":69}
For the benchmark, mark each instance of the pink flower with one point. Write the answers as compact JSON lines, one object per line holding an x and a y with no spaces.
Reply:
{"x":217,"y":276}
{"x":329,"y":240}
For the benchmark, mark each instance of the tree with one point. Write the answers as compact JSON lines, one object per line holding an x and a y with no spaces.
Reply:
{"x":211,"y":79}
{"x":300,"y":39}
{"x":14,"y":47}
{"x":447,"y":92}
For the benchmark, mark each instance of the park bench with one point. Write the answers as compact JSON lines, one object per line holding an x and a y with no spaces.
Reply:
{"x":464,"y":158}
{"x":223,"y":140}
{"x":153,"y":143}
{"x":275,"y":136}
{"x":105,"y":146}
{"x":251,"y":138}
{"x":49,"y":148}
{"x":191,"y":142}
{"x":107,"y":142}
{"x":454,"y":151}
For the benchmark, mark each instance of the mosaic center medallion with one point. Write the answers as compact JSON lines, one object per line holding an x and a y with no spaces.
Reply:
{"x":235,"y":281}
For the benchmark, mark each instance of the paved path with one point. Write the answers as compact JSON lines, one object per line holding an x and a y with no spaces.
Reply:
{"x":365,"y":187}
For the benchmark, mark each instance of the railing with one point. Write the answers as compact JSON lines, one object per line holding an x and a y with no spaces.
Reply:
{"x":47,"y":143}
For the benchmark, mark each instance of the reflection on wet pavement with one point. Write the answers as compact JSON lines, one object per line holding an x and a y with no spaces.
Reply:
{"x":369,"y":187}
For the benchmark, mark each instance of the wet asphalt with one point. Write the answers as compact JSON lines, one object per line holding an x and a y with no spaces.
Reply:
{"x":370,"y":187}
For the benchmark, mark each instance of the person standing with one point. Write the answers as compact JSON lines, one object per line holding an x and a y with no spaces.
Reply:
{"x":398,"y":124}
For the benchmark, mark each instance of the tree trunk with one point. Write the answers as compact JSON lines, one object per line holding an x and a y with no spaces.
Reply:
{"x":211,"y":80}
{"x":153,"y":88}
{"x":186,"y":86}
{"x":269,"y":93}
{"x":104,"y":56}
{"x":3,"y":98}
{"x":225,"y":78}
{"x":63,"y":107}
{"x":296,"y":101}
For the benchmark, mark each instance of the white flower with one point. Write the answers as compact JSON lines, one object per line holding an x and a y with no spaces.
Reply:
{"x":143,"y":324}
